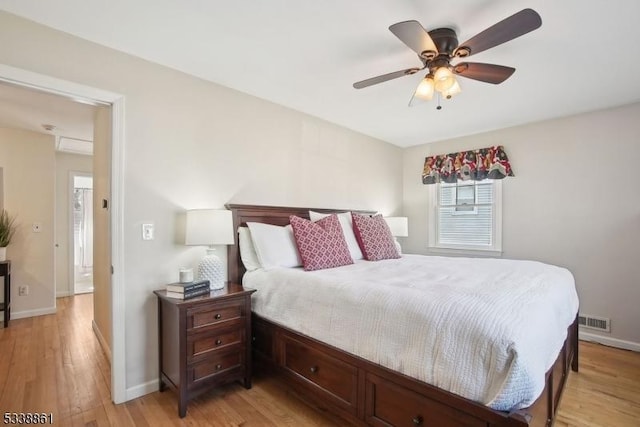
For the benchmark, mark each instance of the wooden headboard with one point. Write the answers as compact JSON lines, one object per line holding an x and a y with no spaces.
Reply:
{"x":275,"y":215}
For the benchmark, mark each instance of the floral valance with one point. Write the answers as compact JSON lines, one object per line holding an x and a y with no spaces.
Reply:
{"x":473,"y":165}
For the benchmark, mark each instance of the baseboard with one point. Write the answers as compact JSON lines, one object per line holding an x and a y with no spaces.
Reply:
{"x":62,"y":294}
{"x":611,"y":342}
{"x":101,"y":340}
{"x":142,"y":389}
{"x":32,"y":313}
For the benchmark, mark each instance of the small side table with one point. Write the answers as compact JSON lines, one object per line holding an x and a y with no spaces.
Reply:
{"x":5,"y":272}
{"x":204,"y":341}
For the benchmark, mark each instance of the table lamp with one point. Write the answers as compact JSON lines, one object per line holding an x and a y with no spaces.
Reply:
{"x":399,"y":226}
{"x":208,"y":227}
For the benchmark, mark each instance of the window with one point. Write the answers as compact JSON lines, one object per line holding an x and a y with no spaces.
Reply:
{"x":466,"y":216}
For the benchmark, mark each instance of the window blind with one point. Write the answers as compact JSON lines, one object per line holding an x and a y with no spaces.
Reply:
{"x":463,"y":221}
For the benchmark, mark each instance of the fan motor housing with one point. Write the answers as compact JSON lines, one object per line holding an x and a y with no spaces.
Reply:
{"x":445,"y":40}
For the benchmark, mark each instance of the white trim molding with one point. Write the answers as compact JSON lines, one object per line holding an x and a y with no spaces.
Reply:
{"x":32,"y":313}
{"x":118,"y":313}
{"x":142,"y":389}
{"x":101,"y":340}
{"x":95,"y":96}
{"x":435,"y":247}
{"x":608,"y":341}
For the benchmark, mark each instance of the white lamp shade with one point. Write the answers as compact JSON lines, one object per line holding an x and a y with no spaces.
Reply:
{"x":399,"y":225}
{"x":453,"y":90}
{"x":425,"y":89}
{"x":209,"y":227}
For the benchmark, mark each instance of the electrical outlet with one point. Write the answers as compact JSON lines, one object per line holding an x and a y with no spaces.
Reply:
{"x":23,"y":290}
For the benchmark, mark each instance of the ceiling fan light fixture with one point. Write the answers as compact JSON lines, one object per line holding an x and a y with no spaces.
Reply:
{"x":452,"y":91}
{"x":437,"y":48}
{"x":426,"y":88}
{"x":444,"y":79}
{"x":442,"y":73}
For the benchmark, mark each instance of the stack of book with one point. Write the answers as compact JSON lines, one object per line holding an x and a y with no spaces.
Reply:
{"x":188,"y":290}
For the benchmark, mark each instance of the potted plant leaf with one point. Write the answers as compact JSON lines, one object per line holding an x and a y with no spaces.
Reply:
{"x":7,"y":229}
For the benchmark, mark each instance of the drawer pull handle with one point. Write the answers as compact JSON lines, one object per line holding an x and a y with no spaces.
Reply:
{"x":417,"y":420}
{"x":218,"y":342}
{"x":218,"y":366}
{"x":218,"y":316}
{"x":314,"y":369}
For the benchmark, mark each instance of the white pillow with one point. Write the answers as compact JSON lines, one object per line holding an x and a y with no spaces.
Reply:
{"x":247,"y":250}
{"x":275,"y":245}
{"x":346,"y":222}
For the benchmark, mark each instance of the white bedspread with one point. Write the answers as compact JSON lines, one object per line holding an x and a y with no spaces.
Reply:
{"x":485,"y":329}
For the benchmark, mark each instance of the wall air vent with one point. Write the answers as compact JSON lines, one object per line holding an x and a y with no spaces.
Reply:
{"x":75,"y":146}
{"x":592,"y":322}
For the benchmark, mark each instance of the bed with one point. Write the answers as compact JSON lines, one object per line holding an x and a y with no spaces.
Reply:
{"x":364,"y":392}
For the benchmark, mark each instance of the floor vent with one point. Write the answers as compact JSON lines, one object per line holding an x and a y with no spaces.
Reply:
{"x":593,"y":322}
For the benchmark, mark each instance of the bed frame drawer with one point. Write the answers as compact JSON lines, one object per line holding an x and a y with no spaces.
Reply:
{"x":324,"y":374}
{"x":388,"y":404}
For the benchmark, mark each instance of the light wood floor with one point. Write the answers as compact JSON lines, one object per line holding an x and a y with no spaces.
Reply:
{"x":55,"y":364}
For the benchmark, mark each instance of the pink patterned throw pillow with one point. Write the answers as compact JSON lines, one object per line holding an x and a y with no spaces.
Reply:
{"x":374,"y":237}
{"x":321,"y":244}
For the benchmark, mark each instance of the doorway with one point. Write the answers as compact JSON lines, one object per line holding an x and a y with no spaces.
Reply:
{"x":113,"y":156}
{"x":82,"y":230}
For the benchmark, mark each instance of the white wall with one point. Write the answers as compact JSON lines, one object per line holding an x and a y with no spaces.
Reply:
{"x":193,"y":144}
{"x":28,"y":160}
{"x":574,"y":202}
{"x":65,"y":164}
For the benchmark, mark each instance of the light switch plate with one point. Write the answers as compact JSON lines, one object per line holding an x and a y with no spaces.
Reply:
{"x":147,"y":231}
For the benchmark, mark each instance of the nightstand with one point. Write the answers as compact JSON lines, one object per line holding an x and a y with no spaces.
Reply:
{"x":204,"y":341}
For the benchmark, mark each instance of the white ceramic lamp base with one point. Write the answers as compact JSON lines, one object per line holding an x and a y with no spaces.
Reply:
{"x":211,"y":268}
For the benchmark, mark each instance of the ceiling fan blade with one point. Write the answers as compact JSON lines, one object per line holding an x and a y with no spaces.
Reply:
{"x":488,"y":73}
{"x":385,"y":77}
{"x":508,"y":29}
{"x":414,"y":35}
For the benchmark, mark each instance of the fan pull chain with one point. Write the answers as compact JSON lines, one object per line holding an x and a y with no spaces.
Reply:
{"x":439,"y":107}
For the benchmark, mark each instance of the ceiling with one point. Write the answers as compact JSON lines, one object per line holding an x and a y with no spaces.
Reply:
{"x":306,"y":55}
{"x":28,"y":109}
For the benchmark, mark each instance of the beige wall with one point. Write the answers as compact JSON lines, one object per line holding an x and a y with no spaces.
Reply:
{"x":574,"y":202}
{"x":65,"y":164}
{"x":101,"y":226}
{"x":28,"y":160}
{"x":194,"y":144}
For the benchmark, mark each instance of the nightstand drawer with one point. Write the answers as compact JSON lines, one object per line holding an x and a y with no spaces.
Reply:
{"x":200,"y":317}
{"x":216,"y":365}
{"x":199,"y":345}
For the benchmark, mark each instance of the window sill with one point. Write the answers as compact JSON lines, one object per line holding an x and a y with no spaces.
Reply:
{"x":489,"y":253}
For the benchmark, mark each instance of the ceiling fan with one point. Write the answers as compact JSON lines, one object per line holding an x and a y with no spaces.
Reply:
{"x":437,"y":48}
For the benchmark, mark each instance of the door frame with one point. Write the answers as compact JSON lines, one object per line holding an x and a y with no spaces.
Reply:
{"x":70,"y":219}
{"x":93,"y":95}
